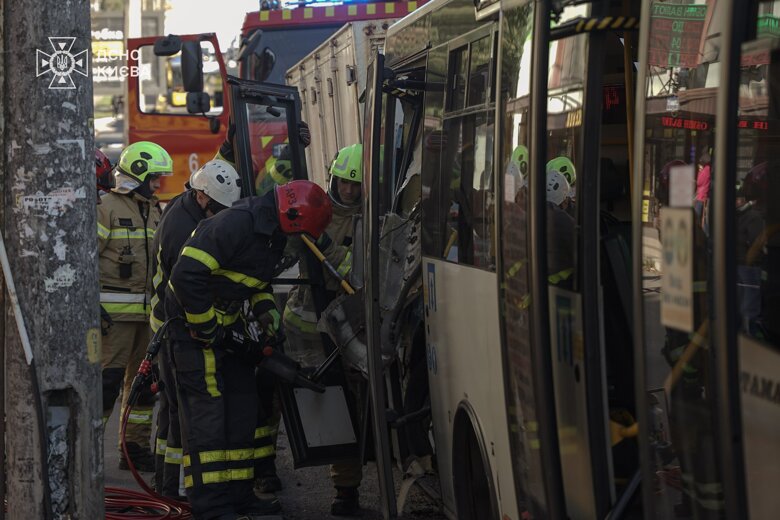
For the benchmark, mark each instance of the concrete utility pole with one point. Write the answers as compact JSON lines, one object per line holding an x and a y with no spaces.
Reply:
{"x":49,"y":226}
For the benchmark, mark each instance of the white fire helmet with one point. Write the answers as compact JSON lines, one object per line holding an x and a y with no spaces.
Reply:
{"x":557,"y":187}
{"x":219,"y":180}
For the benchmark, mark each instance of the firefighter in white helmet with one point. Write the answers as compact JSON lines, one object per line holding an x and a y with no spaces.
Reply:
{"x":212,"y":188}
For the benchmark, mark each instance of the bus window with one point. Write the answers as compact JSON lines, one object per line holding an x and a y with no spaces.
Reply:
{"x":468,"y":159}
{"x":514,"y":285}
{"x":161,"y":90}
{"x":757,"y":249}
{"x":682,"y":71}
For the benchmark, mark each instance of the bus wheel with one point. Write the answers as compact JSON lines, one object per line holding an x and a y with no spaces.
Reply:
{"x":475,"y":497}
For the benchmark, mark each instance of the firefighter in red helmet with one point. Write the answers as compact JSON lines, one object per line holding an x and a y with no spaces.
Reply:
{"x":229,"y":259}
{"x":103,"y":170}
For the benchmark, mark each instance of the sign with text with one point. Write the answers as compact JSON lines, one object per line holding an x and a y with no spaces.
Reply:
{"x":759,"y":378}
{"x":677,"y":268}
{"x":675,"y":34}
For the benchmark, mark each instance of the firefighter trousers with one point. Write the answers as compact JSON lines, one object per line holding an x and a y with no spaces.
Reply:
{"x":123,"y":350}
{"x":218,"y":416}
{"x":267,"y":424}
{"x":168,"y":449}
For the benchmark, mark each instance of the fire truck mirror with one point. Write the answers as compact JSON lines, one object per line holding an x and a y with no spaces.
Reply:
{"x":192,"y":68}
{"x":167,"y":45}
{"x":198,"y":102}
{"x":265,"y":62}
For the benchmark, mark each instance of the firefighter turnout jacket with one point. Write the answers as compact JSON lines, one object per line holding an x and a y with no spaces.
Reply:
{"x":299,"y":310}
{"x":126,"y":225}
{"x":231,"y":257}
{"x":179,"y":220}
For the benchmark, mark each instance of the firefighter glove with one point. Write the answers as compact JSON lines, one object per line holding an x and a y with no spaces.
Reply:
{"x":324,"y":242}
{"x":270,"y":322}
{"x":304,"y":135}
{"x":226,"y":150}
{"x":210,"y":337}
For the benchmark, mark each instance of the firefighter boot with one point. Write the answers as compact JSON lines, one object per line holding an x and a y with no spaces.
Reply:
{"x":142,"y":458}
{"x":267,"y":481}
{"x":261,"y":506}
{"x":346,"y":502}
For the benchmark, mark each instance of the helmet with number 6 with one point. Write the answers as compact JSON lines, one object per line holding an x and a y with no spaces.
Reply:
{"x":143,"y":159}
{"x":219,"y":180}
{"x":303,"y":207}
{"x":347,"y":165}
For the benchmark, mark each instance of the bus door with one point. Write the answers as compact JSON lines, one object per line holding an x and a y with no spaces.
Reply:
{"x":578,"y":154}
{"x":749,"y":223}
{"x":682,"y":66}
{"x":323,"y":428}
{"x":156,"y":106}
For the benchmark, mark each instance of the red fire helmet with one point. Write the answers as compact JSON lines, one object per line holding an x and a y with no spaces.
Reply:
{"x":103,"y":171}
{"x":304,"y":207}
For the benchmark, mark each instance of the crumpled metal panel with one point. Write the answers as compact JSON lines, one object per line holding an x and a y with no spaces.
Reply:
{"x":399,"y":271}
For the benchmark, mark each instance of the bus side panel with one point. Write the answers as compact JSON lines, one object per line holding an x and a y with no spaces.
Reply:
{"x":464,"y":363}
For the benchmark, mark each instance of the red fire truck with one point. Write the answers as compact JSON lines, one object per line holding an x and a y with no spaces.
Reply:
{"x":271,"y":42}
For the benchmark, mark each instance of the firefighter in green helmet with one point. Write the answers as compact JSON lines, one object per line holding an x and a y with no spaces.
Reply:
{"x":127,"y":218}
{"x":300,"y":322}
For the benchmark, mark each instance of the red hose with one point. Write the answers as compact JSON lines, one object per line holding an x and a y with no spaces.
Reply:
{"x":122,"y":504}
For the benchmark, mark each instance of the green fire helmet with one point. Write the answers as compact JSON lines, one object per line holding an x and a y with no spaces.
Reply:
{"x":565,"y":167}
{"x":144,"y":158}
{"x":348,"y":163}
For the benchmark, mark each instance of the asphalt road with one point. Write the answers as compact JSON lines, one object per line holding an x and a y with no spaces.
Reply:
{"x":307,"y":492}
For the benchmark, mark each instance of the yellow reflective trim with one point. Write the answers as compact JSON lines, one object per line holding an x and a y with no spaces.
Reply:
{"x":264,"y":431}
{"x":560,"y":276}
{"x":590,"y":24}
{"x":188,"y":481}
{"x":352,"y":10}
{"x":242,"y":279}
{"x":125,"y":233}
{"x":201,"y":256}
{"x":208,"y":457}
{"x":155,"y":301}
{"x":299,"y":323}
{"x":242,"y":454}
{"x":389,"y":8}
{"x":157,"y":280}
{"x":264,"y":140}
{"x":154,"y":323}
{"x":329,"y":12}
{"x":370,"y":8}
{"x":125,"y":308}
{"x":345,"y":265}
{"x":140,"y":417}
{"x":411,"y":6}
{"x":265,"y":451}
{"x":227,"y":475}
{"x":211,"y":369}
{"x":227,"y":319}
{"x":307,"y":13}
{"x":605,"y":22}
{"x":277,"y":177}
{"x":102,"y":230}
{"x":160,"y":446}
{"x":186,"y":461}
{"x":201,"y":317}
{"x":173,"y":456}
{"x":515,"y":268}
{"x":264,"y":16}
{"x":263,"y":296}
{"x":286,"y":14}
